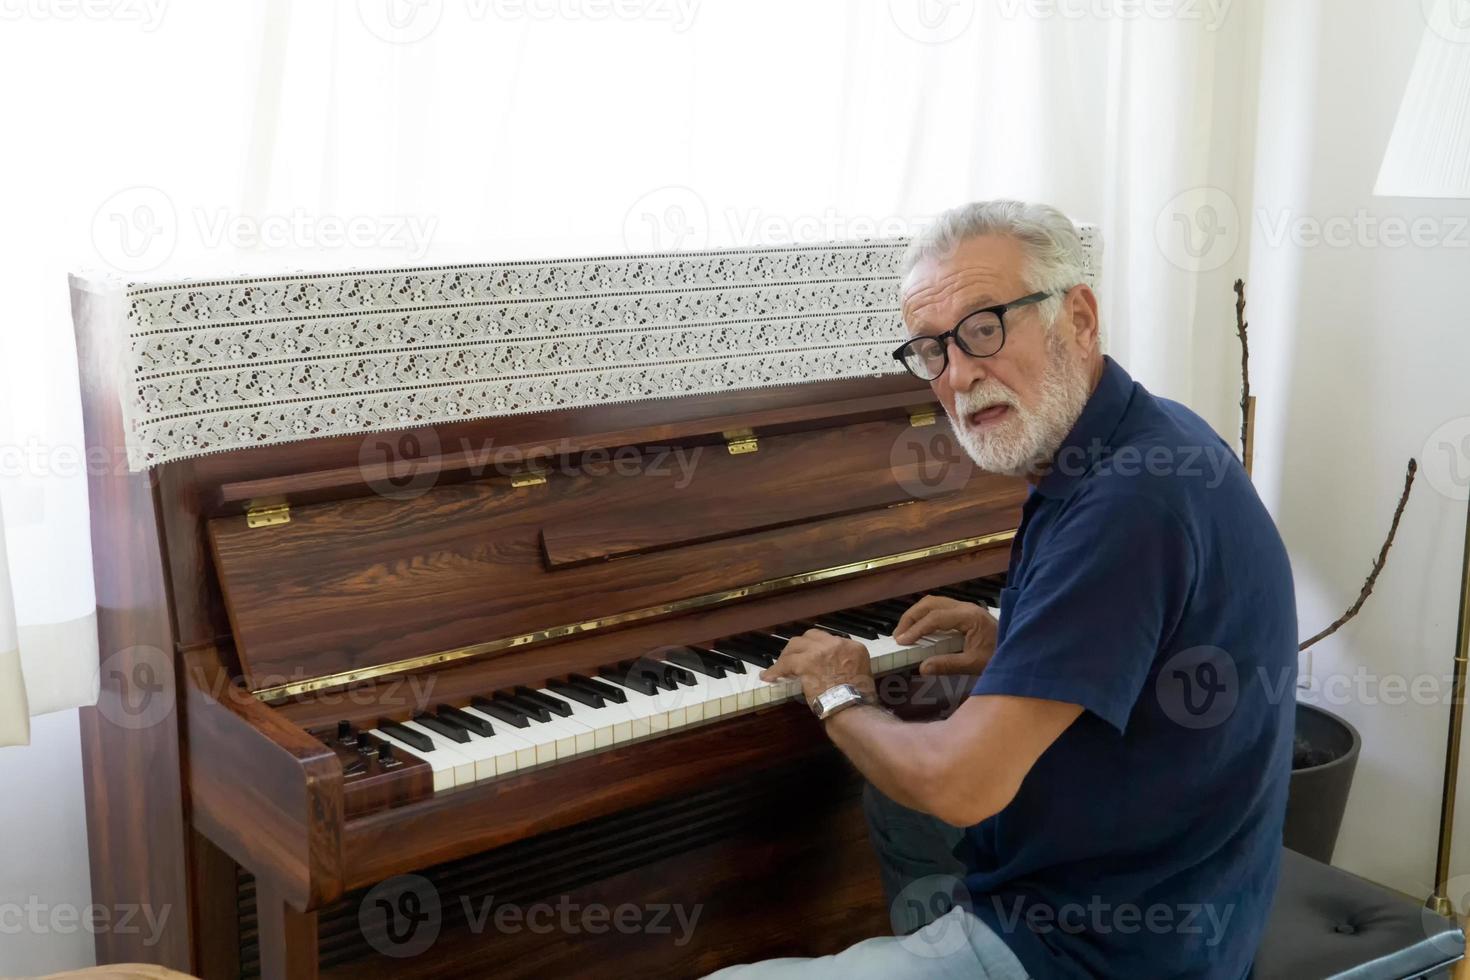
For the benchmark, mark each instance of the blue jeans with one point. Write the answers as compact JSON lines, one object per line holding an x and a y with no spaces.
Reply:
{"x":935,"y":939}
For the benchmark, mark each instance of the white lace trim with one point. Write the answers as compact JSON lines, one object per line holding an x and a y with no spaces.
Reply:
{"x":234,"y":363}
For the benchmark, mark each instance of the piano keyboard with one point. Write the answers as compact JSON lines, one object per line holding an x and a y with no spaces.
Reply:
{"x":517,"y":728}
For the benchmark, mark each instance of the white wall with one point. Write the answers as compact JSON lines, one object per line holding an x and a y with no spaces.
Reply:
{"x":1360,"y":354}
{"x":45,"y":886}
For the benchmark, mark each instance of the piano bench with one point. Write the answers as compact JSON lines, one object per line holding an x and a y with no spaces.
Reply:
{"x":1327,"y":923}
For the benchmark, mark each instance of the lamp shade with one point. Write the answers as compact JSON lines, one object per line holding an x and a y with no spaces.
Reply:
{"x":1429,"y":152}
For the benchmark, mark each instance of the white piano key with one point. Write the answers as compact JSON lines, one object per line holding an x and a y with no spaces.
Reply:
{"x":602,"y":722}
{"x":464,"y":765}
{"x":525,"y":754}
{"x":497,"y":754}
{"x":646,"y":712}
{"x":440,"y":764}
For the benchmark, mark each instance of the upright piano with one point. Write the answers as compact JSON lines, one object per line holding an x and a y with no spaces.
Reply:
{"x":432,"y":604}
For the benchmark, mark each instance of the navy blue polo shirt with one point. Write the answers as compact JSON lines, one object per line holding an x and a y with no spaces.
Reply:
{"x":1147,"y":584}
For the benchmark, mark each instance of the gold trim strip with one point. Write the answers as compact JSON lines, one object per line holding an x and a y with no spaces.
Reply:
{"x":279,"y":691}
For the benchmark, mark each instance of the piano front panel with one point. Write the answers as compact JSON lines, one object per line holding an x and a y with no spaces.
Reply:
{"x":350,"y":587}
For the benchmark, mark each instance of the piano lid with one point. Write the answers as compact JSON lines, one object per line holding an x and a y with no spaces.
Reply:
{"x":355,"y":588}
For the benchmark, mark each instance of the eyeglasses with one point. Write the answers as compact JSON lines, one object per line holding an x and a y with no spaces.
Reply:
{"x":980,"y":334}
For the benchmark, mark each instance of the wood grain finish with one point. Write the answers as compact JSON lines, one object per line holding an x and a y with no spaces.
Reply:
{"x":264,"y":791}
{"x":131,"y":751}
{"x":371,"y":581}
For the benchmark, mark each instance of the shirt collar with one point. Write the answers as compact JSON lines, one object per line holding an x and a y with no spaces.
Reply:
{"x":1094,"y":427}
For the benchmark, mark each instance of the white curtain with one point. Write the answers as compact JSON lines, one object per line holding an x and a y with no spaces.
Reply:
{"x":197,"y":136}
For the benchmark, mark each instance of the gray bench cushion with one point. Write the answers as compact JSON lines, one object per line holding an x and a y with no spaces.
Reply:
{"x":1326,"y":922}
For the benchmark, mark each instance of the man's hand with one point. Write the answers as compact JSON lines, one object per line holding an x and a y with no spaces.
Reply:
{"x":821,"y":661}
{"x":933,"y":613}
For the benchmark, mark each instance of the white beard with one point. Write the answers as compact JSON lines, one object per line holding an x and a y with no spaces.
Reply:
{"x":1027,"y":439}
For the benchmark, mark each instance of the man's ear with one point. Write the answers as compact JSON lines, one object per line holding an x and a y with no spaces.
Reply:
{"x":1080,"y":308}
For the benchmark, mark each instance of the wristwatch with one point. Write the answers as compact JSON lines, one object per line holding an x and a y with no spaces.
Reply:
{"x":834,"y":699}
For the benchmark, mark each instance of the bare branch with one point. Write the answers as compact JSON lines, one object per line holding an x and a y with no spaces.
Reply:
{"x":1245,"y":355}
{"x":1367,"y":589}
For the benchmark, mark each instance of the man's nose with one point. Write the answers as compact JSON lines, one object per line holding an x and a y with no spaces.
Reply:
{"x":963,"y":371}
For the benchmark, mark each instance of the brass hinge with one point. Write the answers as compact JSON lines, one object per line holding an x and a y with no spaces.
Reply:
{"x":530,"y":478}
{"x":923,"y":416}
{"x":741,"y":441}
{"x":259,"y":513}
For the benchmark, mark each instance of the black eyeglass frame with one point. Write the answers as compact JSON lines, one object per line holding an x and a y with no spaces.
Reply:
{"x":999,"y":310}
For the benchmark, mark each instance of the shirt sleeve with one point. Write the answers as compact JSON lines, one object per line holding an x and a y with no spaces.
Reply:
{"x":1096,"y":605}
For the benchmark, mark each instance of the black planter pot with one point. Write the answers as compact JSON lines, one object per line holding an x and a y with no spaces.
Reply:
{"x":1315,"y":802}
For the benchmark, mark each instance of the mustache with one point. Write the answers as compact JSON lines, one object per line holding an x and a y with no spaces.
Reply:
{"x":978,"y":399}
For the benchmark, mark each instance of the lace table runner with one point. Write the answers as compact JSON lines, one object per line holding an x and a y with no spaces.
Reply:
{"x":227,"y":364}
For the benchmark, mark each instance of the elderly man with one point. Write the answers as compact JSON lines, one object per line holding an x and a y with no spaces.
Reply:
{"x":1108,"y":801}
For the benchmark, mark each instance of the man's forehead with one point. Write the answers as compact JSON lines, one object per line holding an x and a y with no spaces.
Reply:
{"x":936,"y":294}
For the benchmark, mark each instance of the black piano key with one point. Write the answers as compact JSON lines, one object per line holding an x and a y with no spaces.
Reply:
{"x":681,"y":675}
{"x":465,"y":720}
{"x":763,"y":641}
{"x":877,"y":615}
{"x":638,"y":681}
{"x":386,"y":759}
{"x":611,"y":692}
{"x":346,"y":734}
{"x":696,"y":661}
{"x":807,"y":624}
{"x":883,"y":622}
{"x":409,"y":737}
{"x":434,"y":724}
{"x":646,"y":669}
{"x":533,"y":711}
{"x":579,"y":694}
{"x":556,"y":705}
{"x":501,"y":710}
{"x":851,"y":625}
{"x":744,"y":651}
{"x":731,"y":664}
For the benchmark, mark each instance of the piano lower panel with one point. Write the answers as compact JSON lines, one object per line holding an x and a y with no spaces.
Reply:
{"x":459,"y":822}
{"x":777,"y":865}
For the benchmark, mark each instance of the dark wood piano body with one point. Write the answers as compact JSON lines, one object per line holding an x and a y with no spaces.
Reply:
{"x":227,"y":811}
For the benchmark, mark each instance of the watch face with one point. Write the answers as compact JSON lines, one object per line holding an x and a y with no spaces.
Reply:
{"x":835,"y":697}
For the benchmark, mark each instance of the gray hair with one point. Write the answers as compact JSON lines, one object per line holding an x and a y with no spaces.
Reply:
{"x":1056,"y":263}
